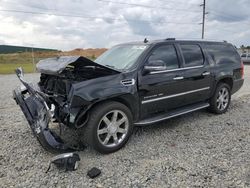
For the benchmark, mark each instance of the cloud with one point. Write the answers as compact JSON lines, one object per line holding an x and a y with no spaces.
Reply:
{"x":99,"y":24}
{"x":229,"y":11}
{"x":141,"y":28}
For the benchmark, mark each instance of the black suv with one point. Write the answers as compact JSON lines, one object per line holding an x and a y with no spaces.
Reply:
{"x":136,"y":83}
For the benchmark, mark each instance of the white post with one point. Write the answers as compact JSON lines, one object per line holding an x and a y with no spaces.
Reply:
{"x":33,"y":59}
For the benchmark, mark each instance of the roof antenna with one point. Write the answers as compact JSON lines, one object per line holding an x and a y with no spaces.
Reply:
{"x":145,"y":40}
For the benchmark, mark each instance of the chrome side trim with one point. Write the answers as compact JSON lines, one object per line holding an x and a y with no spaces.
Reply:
{"x":205,"y":73}
{"x":174,"y":115}
{"x":175,"y":95}
{"x":172,"y":70}
{"x":178,"y":78}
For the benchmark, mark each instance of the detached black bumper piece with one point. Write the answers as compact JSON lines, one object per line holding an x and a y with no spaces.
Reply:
{"x":38,"y":116}
{"x":94,"y":172}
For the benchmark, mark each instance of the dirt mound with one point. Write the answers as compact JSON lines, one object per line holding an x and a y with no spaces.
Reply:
{"x":89,"y":52}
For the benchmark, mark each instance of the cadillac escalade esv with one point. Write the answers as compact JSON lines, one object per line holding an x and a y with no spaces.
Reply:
{"x":132,"y":84}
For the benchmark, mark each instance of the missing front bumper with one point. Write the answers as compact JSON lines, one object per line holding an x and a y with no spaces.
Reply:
{"x":38,"y":116}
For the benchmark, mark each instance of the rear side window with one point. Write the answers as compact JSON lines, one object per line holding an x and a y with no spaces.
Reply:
{"x":244,"y":55}
{"x":192,"y":55}
{"x":222,"y":53}
{"x":167,"y":54}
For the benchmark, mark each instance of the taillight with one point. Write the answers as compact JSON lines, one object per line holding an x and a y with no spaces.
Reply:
{"x":242,"y":69}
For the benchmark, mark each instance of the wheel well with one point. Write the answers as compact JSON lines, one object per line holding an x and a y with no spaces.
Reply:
{"x":228,"y":81}
{"x":125,"y":101}
{"x":84,"y":117}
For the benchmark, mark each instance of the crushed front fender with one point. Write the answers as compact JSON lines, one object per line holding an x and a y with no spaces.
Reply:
{"x":38,"y":116}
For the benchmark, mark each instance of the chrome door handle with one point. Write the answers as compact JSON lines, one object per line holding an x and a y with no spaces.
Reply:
{"x":205,"y":73}
{"x":178,"y":78}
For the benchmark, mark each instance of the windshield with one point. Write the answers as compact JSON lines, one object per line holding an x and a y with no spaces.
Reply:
{"x":121,"y":57}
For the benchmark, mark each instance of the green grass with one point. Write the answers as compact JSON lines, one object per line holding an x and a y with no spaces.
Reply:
{"x":6,"y":68}
{"x":9,"y":62}
{"x":15,"y":58}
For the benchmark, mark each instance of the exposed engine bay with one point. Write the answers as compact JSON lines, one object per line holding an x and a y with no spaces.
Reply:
{"x":51,"y":100}
{"x":59,"y":83}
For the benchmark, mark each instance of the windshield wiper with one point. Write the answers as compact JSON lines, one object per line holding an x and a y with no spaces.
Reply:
{"x":110,"y":66}
{"x":113,"y":67}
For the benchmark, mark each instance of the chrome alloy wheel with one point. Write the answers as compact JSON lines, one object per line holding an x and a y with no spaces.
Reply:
{"x":222,"y":99}
{"x":113,"y":128}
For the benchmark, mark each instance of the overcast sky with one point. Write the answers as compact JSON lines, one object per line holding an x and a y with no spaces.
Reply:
{"x":101,"y":23}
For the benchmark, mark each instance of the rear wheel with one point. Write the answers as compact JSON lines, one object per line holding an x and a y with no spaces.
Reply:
{"x":109,"y":127}
{"x":221,"y":99}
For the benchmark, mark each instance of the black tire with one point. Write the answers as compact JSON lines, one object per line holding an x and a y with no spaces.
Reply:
{"x":214,"y":104}
{"x":89,"y":133}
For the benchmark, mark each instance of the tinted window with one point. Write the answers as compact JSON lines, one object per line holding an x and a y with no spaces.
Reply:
{"x":222,"y":53}
{"x":192,"y":55}
{"x":244,"y":55}
{"x":167,"y":54}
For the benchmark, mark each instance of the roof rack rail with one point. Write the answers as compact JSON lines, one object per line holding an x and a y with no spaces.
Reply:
{"x":206,"y":39}
{"x":170,"y":39}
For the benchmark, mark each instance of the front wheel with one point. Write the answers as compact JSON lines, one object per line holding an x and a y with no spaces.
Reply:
{"x":220,"y":101}
{"x":109,"y":126}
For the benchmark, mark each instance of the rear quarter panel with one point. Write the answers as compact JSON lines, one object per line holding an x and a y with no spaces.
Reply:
{"x":227,"y":66}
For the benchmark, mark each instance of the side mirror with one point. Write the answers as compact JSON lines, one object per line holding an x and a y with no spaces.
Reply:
{"x":155,"y":65}
{"x":19,"y":72}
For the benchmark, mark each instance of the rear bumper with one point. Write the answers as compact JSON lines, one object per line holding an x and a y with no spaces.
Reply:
{"x":237,"y":85}
{"x":38,"y":116}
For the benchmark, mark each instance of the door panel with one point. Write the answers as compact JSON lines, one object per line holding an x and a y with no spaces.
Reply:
{"x":197,"y":76}
{"x":157,"y":92}
{"x":199,"y":81}
{"x":157,"y":88}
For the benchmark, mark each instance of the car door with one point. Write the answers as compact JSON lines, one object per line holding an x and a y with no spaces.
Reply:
{"x":197,"y":73}
{"x":158,"y":88}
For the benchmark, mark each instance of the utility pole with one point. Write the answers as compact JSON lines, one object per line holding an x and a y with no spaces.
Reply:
{"x":203,"y":18}
{"x":33,"y":59}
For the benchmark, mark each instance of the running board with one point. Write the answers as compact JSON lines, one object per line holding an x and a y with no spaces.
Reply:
{"x":178,"y":112}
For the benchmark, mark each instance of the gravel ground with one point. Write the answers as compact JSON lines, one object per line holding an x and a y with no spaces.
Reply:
{"x":195,"y":150}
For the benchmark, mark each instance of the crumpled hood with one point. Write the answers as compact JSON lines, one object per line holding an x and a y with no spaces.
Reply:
{"x":56,"y":65}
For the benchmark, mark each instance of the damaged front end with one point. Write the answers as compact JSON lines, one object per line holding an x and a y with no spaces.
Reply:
{"x":34,"y":106}
{"x":59,"y":96}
